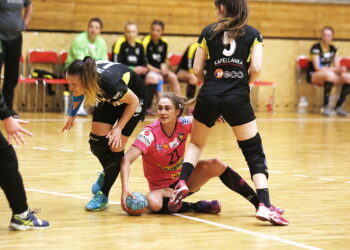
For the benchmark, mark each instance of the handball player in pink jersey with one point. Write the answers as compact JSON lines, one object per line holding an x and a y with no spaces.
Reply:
{"x":162,"y":146}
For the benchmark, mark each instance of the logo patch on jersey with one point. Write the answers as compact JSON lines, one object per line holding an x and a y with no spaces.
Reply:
{"x":229,"y":61}
{"x":159,"y":147}
{"x":160,"y":49}
{"x":137,"y":51}
{"x":156,"y":57}
{"x":174,"y":143}
{"x":316,"y":51}
{"x":146,"y":137}
{"x":185,"y":120}
{"x":180,"y":136}
{"x":219,"y":73}
{"x":132,"y":59}
{"x":166,"y":146}
{"x":234,"y":74}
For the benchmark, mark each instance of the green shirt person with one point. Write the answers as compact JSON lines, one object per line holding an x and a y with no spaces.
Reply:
{"x":88,"y":43}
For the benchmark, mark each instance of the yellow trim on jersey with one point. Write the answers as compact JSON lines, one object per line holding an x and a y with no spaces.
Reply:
{"x":126,"y":78}
{"x":118,"y":44}
{"x":190,"y":54}
{"x":256,"y":42}
{"x":204,"y":46}
{"x":145,"y":42}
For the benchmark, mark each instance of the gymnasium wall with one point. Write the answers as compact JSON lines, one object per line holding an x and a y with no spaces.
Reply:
{"x":274,"y":19}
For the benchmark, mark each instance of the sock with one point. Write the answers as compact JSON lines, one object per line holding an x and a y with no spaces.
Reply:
{"x":327,"y":92}
{"x":345,"y":90}
{"x":24,"y":214}
{"x":235,"y":182}
{"x":186,"y":171}
{"x":111,"y":171}
{"x":264,"y":196}
{"x":160,"y":85}
{"x":190,"y":91}
{"x":186,"y":207}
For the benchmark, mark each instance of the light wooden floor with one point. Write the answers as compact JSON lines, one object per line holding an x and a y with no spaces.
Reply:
{"x":308,"y":158}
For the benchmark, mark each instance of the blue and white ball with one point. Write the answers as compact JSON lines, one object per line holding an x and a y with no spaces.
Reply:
{"x":136,"y":206}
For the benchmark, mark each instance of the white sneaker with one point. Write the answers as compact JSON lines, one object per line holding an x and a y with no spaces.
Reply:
{"x":265,"y":214}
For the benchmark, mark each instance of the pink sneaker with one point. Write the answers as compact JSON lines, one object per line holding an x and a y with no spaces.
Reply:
{"x":208,"y":207}
{"x":277,"y":209}
{"x":265,"y":214}
{"x":180,"y":192}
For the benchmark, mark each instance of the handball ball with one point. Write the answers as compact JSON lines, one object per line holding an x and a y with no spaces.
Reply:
{"x":136,"y":206}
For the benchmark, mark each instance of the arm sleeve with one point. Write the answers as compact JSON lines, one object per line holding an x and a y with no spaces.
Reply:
{"x":202,"y":41}
{"x":4,"y":111}
{"x":144,"y":140}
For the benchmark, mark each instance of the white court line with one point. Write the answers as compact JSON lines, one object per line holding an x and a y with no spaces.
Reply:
{"x":348,"y":182}
{"x":275,"y":172}
{"x":249,"y":232}
{"x":193,"y":218}
{"x":88,"y":153}
{"x":66,"y":195}
{"x":300,"y":175}
{"x":40,"y":148}
{"x":66,"y":150}
{"x":327,"y":179}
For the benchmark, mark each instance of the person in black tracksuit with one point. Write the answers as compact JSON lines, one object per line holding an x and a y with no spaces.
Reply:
{"x":10,"y":178}
{"x":120,"y":94}
{"x":228,"y":58}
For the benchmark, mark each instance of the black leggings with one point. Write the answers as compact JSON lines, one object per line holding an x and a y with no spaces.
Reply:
{"x":10,"y":178}
{"x":11,"y":54}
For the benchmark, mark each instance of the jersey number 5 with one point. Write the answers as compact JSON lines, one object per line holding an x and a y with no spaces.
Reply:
{"x":232,"y":49}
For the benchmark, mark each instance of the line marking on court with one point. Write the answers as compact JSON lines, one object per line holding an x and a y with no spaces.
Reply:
{"x":327,"y":179}
{"x":192,"y":218}
{"x":300,"y":175}
{"x":275,"y":172}
{"x":348,"y":182}
{"x":66,"y":195}
{"x":249,"y":232}
{"x":66,"y":150}
{"x":88,"y":153}
{"x":40,"y":148}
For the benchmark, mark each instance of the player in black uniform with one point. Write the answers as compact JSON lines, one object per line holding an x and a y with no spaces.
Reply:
{"x":129,"y":50}
{"x":10,"y":178}
{"x":231,"y":53}
{"x":156,"y":48}
{"x":324,"y":68}
{"x":185,"y":70}
{"x":120,"y":94}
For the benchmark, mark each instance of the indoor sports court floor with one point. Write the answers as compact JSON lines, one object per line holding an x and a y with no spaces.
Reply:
{"x":308,"y":159}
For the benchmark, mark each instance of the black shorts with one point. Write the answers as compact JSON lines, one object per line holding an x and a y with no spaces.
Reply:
{"x":309,"y":76}
{"x":107,"y":113}
{"x":235,"y":109}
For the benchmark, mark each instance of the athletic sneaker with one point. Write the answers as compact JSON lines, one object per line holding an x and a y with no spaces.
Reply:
{"x":180,"y":192}
{"x":208,"y":207}
{"x":340,"y":111}
{"x":327,"y":111}
{"x":30,"y":222}
{"x":98,"y":202}
{"x":265,"y":214}
{"x":98,"y":184}
{"x":277,"y":209}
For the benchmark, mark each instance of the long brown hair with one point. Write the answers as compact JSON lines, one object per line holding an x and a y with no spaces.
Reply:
{"x":87,"y":71}
{"x":178,"y":101}
{"x":236,"y":17}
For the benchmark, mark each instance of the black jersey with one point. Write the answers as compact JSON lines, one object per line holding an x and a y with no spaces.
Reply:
{"x":187,"y":59}
{"x":155,"y":53}
{"x":115,"y":80}
{"x":124,"y":53}
{"x":227,"y":65}
{"x":326,"y":57}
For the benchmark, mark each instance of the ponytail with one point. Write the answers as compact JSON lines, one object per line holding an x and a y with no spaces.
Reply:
{"x":87,"y":71}
{"x":236,"y":12}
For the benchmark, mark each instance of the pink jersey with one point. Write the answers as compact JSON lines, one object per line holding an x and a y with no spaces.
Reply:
{"x":162,"y":156}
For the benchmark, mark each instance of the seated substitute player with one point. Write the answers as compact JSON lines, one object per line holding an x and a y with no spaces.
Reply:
{"x":156,"y":48}
{"x":10,"y":178}
{"x":324,"y":68}
{"x":185,"y":70}
{"x":162,"y":146}
{"x":128,"y":50}
{"x":120,"y":94}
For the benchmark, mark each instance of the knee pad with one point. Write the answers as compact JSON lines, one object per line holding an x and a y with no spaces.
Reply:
{"x":253,"y":152}
{"x":98,"y":145}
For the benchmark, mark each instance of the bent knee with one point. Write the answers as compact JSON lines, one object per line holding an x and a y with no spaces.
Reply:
{"x":154,"y":203}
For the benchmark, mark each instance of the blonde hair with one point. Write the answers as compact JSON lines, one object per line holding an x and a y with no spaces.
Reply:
{"x":87,"y":71}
